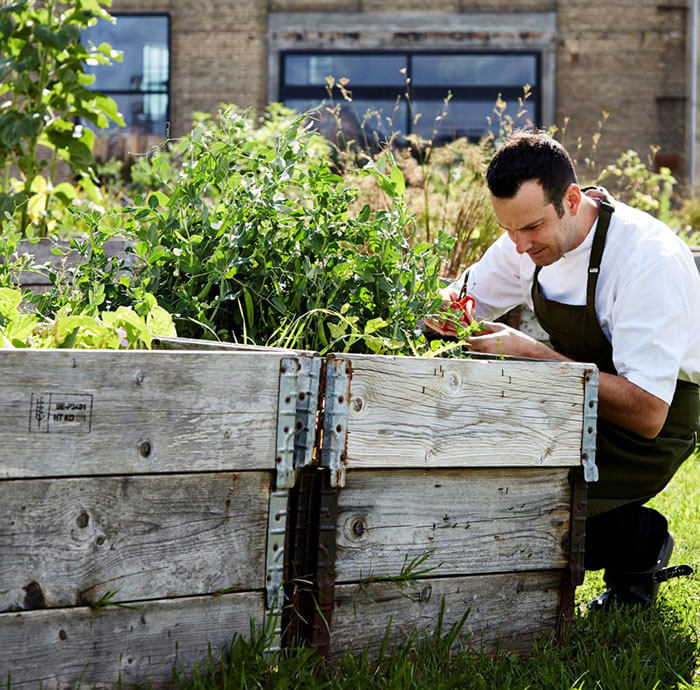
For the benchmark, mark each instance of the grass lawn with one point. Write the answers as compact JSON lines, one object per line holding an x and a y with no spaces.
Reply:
{"x":656,"y":649}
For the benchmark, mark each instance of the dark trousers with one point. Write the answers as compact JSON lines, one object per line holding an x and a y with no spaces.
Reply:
{"x":626,"y":539}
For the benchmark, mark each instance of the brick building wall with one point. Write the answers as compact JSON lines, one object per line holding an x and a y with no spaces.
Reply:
{"x":625,"y":57}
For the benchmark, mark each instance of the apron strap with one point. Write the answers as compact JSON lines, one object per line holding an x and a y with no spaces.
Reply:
{"x":606,"y":211}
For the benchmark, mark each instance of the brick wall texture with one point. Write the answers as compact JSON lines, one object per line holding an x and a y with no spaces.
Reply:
{"x":624,"y":57}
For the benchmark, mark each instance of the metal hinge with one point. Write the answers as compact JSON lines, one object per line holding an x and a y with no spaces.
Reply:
{"x":296,"y":416}
{"x":335,"y":419}
{"x":296,"y":430}
{"x":286,"y":422}
{"x":274,"y":568}
{"x":308,"y":382}
{"x":590,"y":421}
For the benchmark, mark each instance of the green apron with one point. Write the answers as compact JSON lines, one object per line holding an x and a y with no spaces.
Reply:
{"x":631,"y":468}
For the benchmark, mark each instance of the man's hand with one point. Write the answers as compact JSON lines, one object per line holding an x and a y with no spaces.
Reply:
{"x":504,"y":340}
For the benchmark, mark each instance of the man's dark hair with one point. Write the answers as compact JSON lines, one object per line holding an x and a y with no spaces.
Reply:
{"x":531,"y":156}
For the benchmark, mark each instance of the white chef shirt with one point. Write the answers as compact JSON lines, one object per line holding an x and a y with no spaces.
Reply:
{"x":647,"y":299}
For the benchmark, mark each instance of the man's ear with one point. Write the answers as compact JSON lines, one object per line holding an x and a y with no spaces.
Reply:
{"x":572,"y":199}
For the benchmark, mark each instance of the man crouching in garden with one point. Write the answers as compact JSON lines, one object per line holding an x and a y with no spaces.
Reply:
{"x":614,"y":286}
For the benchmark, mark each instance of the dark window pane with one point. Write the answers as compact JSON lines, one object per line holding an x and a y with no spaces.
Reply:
{"x":144,"y":43}
{"x":474,"y":70}
{"x":362,"y":120}
{"x":144,"y":113}
{"x":464,"y":118}
{"x":361,"y":70}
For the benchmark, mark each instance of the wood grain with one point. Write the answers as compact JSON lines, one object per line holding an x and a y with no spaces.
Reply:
{"x":420,"y":412}
{"x":69,"y":542}
{"x":470,"y":521}
{"x":508,"y":611}
{"x":138,"y":412}
{"x":67,"y":648}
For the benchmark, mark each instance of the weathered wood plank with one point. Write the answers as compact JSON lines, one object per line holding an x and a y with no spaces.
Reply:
{"x":471,"y":521}
{"x":64,"y":648}
{"x":69,"y":542}
{"x":77,"y":412}
{"x":507,"y":611}
{"x":420,"y":412}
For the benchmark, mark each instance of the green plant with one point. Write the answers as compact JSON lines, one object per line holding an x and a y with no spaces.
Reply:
{"x":91,"y":329}
{"x":43,"y":90}
{"x":445,"y":186}
{"x":253,"y":240}
{"x":632,"y":180}
{"x":690,"y":221}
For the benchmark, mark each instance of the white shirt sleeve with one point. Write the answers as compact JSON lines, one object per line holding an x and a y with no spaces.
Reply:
{"x":652,"y":309}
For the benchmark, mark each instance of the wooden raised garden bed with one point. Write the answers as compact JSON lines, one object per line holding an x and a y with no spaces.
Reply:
{"x":154,"y":502}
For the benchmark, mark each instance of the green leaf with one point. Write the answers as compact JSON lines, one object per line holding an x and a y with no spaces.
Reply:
{"x":28,"y":127}
{"x":397,"y":180}
{"x":66,"y":192}
{"x":376,"y":345}
{"x":249,"y":310}
{"x":375,"y":324}
{"x":10,"y":299}
{"x":8,"y":9}
{"x":52,"y":39}
{"x":22,"y":327}
{"x":108,"y":107}
{"x":337,"y":330}
{"x":80,"y":155}
{"x":160,"y":322}
{"x":364,"y":214}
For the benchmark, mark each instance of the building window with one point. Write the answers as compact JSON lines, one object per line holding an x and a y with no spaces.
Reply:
{"x":378,"y":82}
{"x":140,"y":84}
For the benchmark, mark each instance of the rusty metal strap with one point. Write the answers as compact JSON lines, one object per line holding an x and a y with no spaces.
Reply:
{"x":590,"y":421}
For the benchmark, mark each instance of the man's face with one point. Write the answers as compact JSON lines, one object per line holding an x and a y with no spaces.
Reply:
{"x":532,"y":223}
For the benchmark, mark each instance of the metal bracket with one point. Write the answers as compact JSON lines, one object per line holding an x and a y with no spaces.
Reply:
{"x":274,"y":568}
{"x":286,"y":422}
{"x":306,"y":407}
{"x":590,"y":421}
{"x":335,"y":419}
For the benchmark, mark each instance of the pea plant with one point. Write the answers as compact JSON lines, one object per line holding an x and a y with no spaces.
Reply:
{"x":253,"y":240}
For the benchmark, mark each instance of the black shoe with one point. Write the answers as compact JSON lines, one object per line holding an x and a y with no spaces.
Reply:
{"x":639,"y":589}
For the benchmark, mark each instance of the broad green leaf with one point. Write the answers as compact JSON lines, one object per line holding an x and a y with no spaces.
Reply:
{"x":375,"y":324}
{"x":10,"y":299}
{"x":9,"y":9}
{"x":109,"y":107}
{"x":28,"y":127}
{"x":22,"y":327}
{"x":364,"y":214}
{"x":52,"y":39}
{"x":337,"y":330}
{"x":160,"y":322}
{"x":397,"y":179}
{"x":80,"y":155}
{"x":64,"y":325}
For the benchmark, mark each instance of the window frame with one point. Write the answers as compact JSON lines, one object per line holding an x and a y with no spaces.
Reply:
{"x":435,"y":94}
{"x":149,"y":92}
